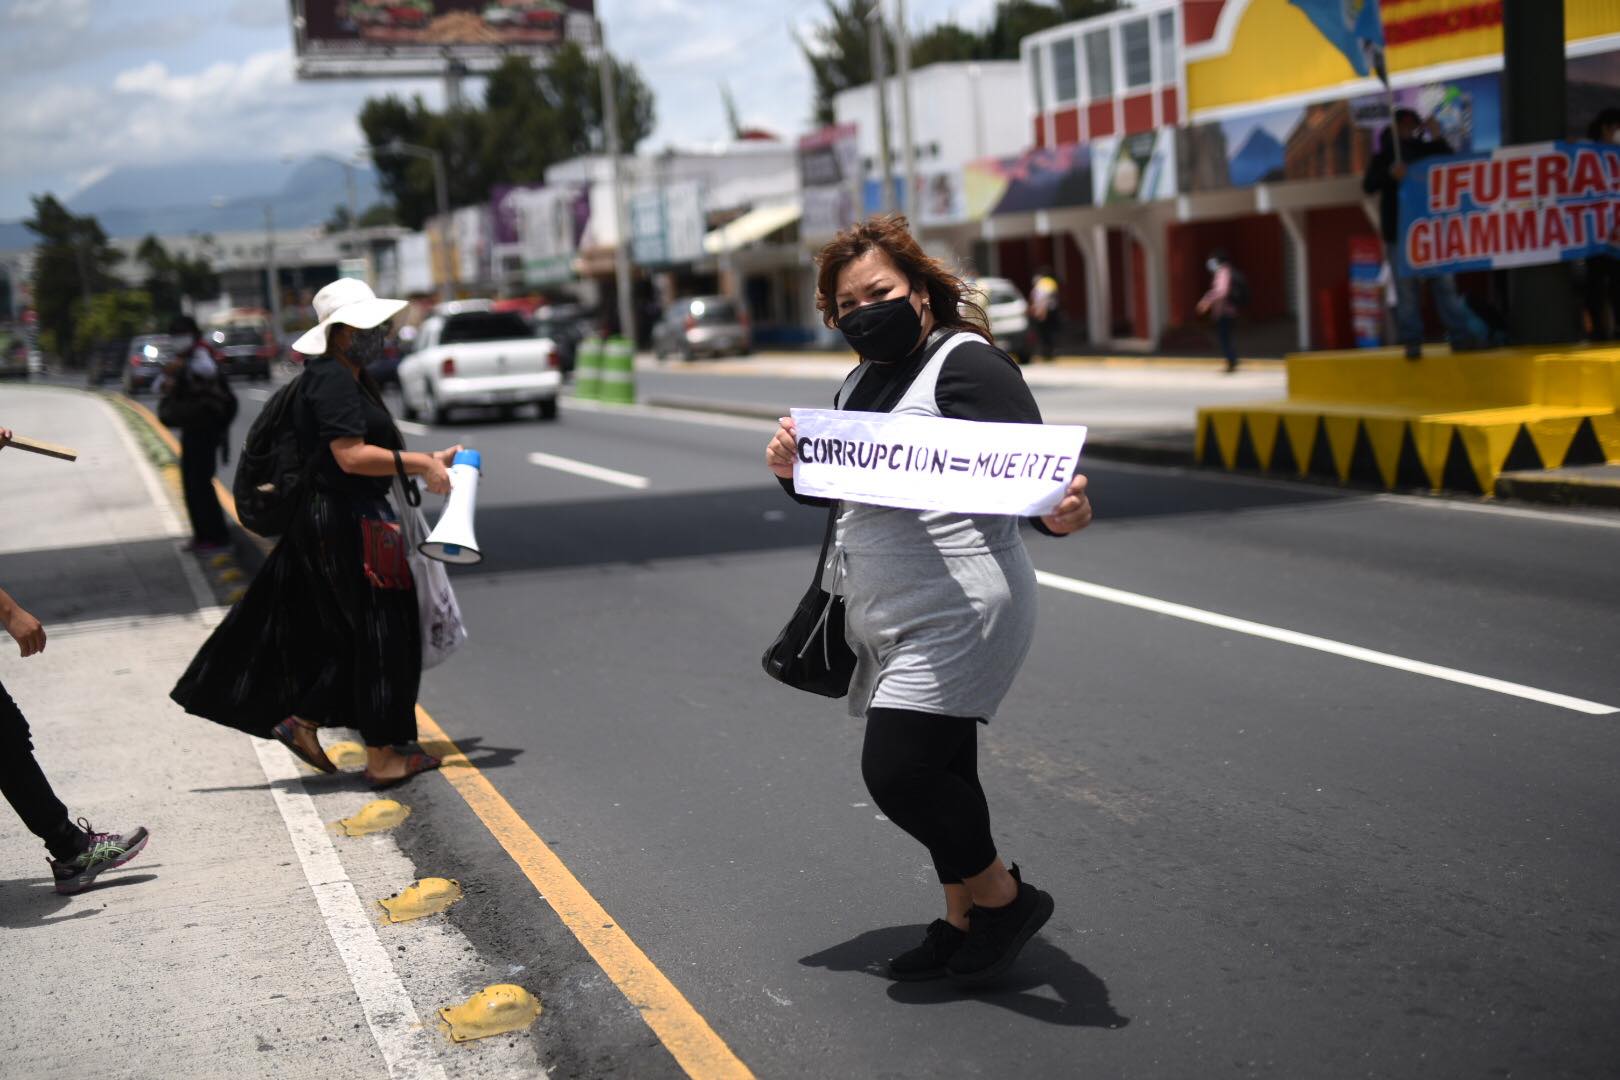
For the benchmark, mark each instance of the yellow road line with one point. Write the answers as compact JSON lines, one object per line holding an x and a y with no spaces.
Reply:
{"x":683,"y":1031}
{"x":689,"y":1038}
{"x":226,"y":499}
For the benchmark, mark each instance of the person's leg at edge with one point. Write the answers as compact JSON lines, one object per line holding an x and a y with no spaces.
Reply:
{"x":1223,"y":328}
{"x":198,"y":451}
{"x":1409,"y":314}
{"x":29,"y":792}
{"x":1464,"y":329}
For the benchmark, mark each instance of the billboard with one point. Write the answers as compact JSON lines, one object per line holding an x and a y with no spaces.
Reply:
{"x":829,"y":180}
{"x":398,"y":37}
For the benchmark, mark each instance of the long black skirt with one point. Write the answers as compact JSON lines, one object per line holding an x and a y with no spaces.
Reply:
{"x":314,"y":638}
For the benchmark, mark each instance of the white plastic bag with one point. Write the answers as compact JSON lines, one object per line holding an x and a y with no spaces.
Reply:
{"x":442,"y":628}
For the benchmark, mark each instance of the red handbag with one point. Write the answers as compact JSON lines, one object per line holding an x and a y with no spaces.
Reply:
{"x":383,"y":552}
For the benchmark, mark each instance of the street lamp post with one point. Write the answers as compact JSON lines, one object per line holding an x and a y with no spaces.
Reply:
{"x":274,"y":273}
{"x":441,"y":192}
{"x":610,"y":126}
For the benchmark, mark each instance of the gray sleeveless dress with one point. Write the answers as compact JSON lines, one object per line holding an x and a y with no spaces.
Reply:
{"x":940,"y":607}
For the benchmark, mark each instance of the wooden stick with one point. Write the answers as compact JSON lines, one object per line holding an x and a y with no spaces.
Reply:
{"x":33,"y":446}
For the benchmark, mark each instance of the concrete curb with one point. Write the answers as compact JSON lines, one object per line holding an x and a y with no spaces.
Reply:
{"x":1174,"y":448}
{"x":1558,"y":488}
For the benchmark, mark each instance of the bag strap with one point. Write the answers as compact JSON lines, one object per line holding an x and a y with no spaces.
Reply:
{"x":413,"y":495}
{"x":826,"y":541}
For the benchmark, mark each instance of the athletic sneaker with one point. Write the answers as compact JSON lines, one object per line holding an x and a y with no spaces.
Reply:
{"x":996,"y":935}
{"x":107,"y":851}
{"x":927,"y":960}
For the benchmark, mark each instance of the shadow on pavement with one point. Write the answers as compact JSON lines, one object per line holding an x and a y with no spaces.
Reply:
{"x":478,"y":756}
{"x":29,"y":902}
{"x":1082,"y":997}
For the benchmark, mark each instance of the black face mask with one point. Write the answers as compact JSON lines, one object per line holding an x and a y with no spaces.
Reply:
{"x":365,"y":346}
{"x":884,"y":332}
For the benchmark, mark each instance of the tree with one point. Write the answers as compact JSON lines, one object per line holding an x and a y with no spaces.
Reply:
{"x":72,"y":260}
{"x":531,"y":119}
{"x":115,"y":316}
{"x":946,"y":43}
{"x":378,"y":214}
{"x":172,"y":279}
{"x":839,"y":52}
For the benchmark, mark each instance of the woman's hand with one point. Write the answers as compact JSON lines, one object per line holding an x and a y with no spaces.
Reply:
{"x":27,"y":632}
{"x":783,"y":450}
{"x":438,"y":474}
{"x":1074,"y":512}
{"x":447,"y":458}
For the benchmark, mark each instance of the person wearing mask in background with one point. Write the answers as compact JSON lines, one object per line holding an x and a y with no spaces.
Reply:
{"x":1043,"y":311}
{"x":939,"y":606}
{"x":1603,"y":271}
{"x":1221,"y":303}
{"x":328,"y":633}
{"x":197,"y":400}
{"x":78,"y":853}
{"x":1419,"y":139}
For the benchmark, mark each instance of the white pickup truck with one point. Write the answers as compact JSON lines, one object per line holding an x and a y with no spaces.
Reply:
{"x":467,"y":354}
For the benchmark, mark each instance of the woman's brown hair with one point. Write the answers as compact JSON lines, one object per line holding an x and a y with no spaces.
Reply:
{"x":948,"y":295}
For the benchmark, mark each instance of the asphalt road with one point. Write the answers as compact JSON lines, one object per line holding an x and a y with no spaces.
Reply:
{"x":1268,"y":860}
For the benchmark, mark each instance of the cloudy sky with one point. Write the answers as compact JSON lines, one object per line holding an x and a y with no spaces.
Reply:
{"x":87,"y":86}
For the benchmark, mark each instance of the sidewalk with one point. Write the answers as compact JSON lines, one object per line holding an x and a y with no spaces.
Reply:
{"x":243,"y":939}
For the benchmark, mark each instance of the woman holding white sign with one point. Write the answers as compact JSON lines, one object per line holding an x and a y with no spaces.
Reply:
{"x":940,"y":606}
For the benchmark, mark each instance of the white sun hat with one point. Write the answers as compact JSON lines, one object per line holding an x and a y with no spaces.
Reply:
{"x":351,"y":302}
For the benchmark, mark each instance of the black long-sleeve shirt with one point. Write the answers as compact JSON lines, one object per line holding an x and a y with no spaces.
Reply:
{"x":1381,"y":182}
{"x":977,"y":382}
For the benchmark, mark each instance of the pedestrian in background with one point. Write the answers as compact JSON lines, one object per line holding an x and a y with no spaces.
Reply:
{"x":1221,"y":302}
{"x":1044,"y":311}
{"x":196,"y":399}
{"x":939,"y":606}
{"x":78,"y":853}
{"x":1603,"y":271}
{"x":1419,"y":139}
{"x":328,"y":632}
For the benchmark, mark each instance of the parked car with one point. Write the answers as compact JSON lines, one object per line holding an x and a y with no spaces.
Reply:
{"x":706,"y":325}
{"x":1004,"y":305}
{"x":13,"y":356}
{"x":566,"y":325}
{"x":144,"y":360}
{"x":244,"y":349}
{"x":467,"y":355}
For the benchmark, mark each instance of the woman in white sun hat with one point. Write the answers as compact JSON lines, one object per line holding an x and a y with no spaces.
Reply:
{"x":327,"y":634}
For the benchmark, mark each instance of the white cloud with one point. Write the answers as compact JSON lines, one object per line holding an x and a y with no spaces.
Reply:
{"x":72,"y":14}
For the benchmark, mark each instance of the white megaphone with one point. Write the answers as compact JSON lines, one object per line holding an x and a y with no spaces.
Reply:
{"x":452,"y":539}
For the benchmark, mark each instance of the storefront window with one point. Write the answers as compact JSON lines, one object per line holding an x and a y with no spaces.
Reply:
{"x":1137,"y":47}
{"x":1036,"y":87}
{"x":1065,"y":79}
{"x":1099,"y":65}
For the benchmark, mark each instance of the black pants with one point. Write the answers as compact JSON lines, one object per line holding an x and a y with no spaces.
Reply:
{"x":199,"y":449}
{"x":1223,"y":330}
{"x":1603,"y":296}
{"x":923,"y":773}
{"x":1046,"y":332}
{"x":26,"y":788}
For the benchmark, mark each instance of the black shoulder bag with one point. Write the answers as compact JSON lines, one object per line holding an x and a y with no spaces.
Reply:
{"x":811,"y":652}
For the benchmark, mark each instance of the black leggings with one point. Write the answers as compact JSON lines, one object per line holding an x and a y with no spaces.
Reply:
{"x":922,"y":770}
{"x":27,"y":790}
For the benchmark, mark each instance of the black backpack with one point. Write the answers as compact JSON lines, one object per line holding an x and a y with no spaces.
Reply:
{"x":272,"y":471}
{"x":1238,"y":292}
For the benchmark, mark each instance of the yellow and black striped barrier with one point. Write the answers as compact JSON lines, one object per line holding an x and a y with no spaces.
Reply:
{"x":1447,"y":421}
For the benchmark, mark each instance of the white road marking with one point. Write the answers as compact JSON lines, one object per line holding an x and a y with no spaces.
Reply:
{"x":257,"y":395}
{"x":1498,"y":510}
{"x":1320,"y":644}
{"x":411,"y":427}
{"x":585,"y":468}
{"x":408,"y":1048}
{"x":667,"y":412}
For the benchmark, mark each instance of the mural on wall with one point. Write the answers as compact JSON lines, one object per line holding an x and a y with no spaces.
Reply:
{"x":1330,"y":139}
{"x":1134,"y":169}
{"x":1035,"y":180}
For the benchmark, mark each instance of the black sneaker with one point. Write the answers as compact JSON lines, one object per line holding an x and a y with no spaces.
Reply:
{"x":927,"y":961}
{"x":996,"y":935}
{"x":107,"y":851}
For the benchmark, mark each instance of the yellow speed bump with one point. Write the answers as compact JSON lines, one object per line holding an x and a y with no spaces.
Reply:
{"x":220,"y":561}
{"x":235,"y":595}
{"x":230,"y":576}
{"x":494,"y":1010}
{"x":420,"y":899}
{"x":345,"y":754}
{"x":376,"y":816}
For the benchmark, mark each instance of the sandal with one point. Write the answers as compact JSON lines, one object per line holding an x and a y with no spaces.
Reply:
{"x":286,"y":733}
{"x":415,"y":762}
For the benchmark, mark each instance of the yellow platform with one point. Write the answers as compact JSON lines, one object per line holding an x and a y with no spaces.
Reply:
{"x":1454,"y":421}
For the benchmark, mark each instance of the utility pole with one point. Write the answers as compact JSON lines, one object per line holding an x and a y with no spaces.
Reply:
{"x":273,"y":273}
{"x":610,"y":127}
{"x":908,"y":141}
{"x":1534,"y":102}
{"x":880,"y":89}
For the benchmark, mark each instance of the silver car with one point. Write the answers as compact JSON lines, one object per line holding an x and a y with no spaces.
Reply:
{"x":1008,"y":314}
{"x":702,"y":326}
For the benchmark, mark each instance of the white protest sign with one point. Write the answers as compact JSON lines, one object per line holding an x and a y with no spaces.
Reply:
{"x":931,"y":463}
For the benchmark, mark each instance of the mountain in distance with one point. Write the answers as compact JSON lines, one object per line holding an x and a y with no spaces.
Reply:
{"x":1261,"y":158}
{"x":178,"y":200}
